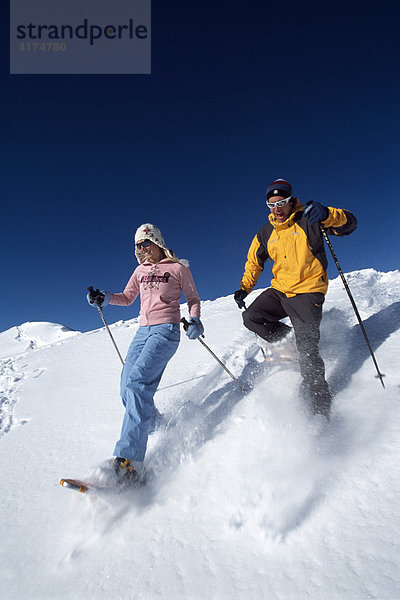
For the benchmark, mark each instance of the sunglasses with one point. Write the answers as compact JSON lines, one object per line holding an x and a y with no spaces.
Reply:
{"x":144,"y":244}
{"x":279,"y":203}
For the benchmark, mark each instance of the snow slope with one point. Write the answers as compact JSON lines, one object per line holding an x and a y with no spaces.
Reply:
{"x":248,"y":500}
{"x":29,"y":336}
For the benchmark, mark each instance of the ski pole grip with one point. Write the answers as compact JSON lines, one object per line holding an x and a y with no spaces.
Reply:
{"x":186,"y":326}
{"x":185,"y":323}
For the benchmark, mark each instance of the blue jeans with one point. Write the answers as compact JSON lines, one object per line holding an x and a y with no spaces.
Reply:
{"x":151,"y":349}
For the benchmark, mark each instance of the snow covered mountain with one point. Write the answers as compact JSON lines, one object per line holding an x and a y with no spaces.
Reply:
{"x":248,"y":500}
{"x":29,"y":336}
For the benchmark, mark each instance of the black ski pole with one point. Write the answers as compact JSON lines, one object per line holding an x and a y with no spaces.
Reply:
{"x":106,"y":326}
{"x":328,"y":241}
{"x":186,"y":326}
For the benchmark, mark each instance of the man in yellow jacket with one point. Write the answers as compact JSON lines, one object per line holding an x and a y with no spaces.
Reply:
{"x":293,"y":240}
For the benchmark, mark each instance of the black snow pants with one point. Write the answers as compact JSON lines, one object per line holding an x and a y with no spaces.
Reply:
{"x":305,"y":312}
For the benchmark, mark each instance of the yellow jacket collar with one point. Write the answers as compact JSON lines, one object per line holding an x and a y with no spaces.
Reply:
{"x":289,"y":221}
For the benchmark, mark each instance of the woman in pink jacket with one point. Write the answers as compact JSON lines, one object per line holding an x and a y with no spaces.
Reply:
{"x":160,"y":279}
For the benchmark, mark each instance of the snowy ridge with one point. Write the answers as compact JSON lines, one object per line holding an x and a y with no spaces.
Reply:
{"x":247,"y":500}
{"x":17,"y":341}
{"x":30,"y":336}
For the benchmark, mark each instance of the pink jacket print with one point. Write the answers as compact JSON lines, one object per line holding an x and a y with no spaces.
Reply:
{"x":160,"y":287}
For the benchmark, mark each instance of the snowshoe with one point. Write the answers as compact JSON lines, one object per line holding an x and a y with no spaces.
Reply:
{"x":278,"y":352}
{"x":114,"y":474}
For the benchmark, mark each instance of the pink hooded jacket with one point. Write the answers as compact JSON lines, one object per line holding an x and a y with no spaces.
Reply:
{"x":160,"y":287}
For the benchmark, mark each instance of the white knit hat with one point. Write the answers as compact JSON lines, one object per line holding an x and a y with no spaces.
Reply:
{"x":147,"y":231}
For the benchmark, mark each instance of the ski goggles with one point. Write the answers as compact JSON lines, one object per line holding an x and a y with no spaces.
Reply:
{"x":279,"y":203}
{"x":144,"y":244}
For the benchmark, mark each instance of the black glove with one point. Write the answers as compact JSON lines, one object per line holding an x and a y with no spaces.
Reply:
{"x":239,"y":296}
{"x":316,"y":212}
{"x":95,"y":297}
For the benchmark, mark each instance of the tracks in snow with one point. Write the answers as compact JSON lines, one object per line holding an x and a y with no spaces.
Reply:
{"x":11,"y":375}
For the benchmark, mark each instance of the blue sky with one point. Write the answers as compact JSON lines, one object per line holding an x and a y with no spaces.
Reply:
{"x":239,"y":95}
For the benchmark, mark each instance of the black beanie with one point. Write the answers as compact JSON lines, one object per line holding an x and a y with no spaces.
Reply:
{"x":279,"y":187}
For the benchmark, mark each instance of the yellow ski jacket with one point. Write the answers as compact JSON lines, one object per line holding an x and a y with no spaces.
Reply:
{"x":297,"y":251}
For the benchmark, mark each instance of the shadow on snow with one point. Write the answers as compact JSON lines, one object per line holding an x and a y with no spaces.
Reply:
{"x":351,"y":348}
